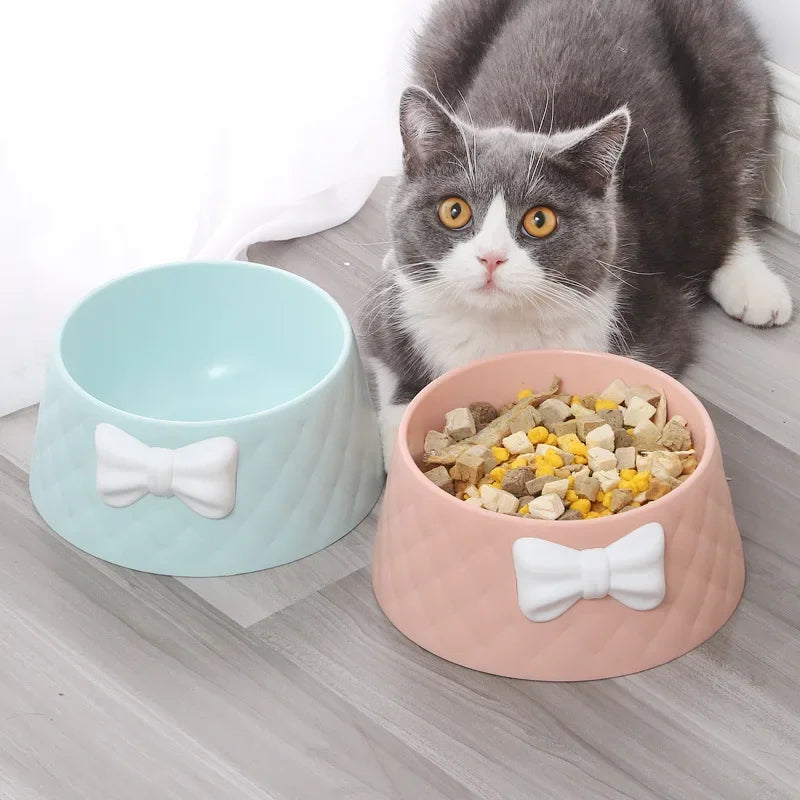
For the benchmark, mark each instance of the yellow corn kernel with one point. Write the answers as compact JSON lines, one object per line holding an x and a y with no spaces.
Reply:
{"x":606,"y":405}
{"x":498,"y":473}
{"x":601,"y":495}
{"x":642,"y":482}
{"x":571,"y":496}
{"x":575,"y":399}
{"x":552,"y":458}
{"x":524,"y":393}
{"x":607,"y":500}
{"x":518,"y":462}
{"x":571,"y":480}
{"x":593,"y":515}
{"x":501,"y":454}
{"x":543,"y":470}
{"x":636,"y":505}
{"x":583,"y":505}
{"x":606,"y":513}
{"x":630,"y":431}
{"x":565,"y":441}
{"x":629,"y":485}
{"x":552,"y":439}
{"x":496,"y":485}
{"x":538,"y":435}
{"x":582,"y":460}
{"x":627,"y":474}
{"x":578,"y":448}
{"x":524,"y":510}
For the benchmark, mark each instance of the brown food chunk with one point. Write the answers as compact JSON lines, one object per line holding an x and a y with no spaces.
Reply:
{"x":527,"y":419}
{"x":459,"y":424}
{"x":612,"y":417}
{"x":516,"y":480}
{"x":658,"y":489}
{"x":483,"y":413}
{"x":619,"y":499}
{"x":622,"y":439}
{"x":587,"y":487}
{"x":473,"y":464}
{"x":441,"y":478}
{"x":675,"y":436}
{"x":587,"y":423}
{"x":461,"y":487}
{"x":566,"y":428}
{"x":535,"y":486}
{"x":436,"y":440}
{"x":569,"y":515}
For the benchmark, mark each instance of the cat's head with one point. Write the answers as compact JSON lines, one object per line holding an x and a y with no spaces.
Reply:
{"x":494,"y":218}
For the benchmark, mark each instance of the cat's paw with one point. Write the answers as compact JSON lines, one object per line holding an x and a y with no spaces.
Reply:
{"x":748,"y":290}
{"x":390,"y":423}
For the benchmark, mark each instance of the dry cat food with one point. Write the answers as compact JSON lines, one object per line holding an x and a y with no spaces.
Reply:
{"x":552,"y":456}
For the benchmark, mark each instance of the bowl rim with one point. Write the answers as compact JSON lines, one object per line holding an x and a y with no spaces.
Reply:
{"x":345,"y":353}
{"x":710,"y":445}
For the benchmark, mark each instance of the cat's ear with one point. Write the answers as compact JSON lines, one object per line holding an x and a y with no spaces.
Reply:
{"x":592,"y":153}
{"x":427,"y":129}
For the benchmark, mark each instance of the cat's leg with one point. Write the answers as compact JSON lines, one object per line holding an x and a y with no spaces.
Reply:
{"x":390,"y":412}
{"x":748,"y":290}
{"x":390,"y":417}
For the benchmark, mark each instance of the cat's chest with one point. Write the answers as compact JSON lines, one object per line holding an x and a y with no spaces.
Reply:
{"x":447,"y":339}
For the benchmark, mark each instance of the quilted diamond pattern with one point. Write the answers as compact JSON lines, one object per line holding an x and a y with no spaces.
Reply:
{"x":443,"y":572}
{"x":282,"y":513}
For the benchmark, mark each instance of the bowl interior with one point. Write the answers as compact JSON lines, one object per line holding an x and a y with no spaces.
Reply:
{"x":499,"y":380}
{"x":203,"y":341}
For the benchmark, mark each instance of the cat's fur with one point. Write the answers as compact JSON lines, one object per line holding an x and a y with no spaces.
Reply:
{"x":644,"y":123}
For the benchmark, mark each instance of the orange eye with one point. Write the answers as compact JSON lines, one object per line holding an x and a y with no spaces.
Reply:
{"x":540,"y":222}
{"x":454,"y":213}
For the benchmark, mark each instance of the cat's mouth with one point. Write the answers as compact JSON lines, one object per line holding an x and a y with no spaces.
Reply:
{"x":490,"y":288}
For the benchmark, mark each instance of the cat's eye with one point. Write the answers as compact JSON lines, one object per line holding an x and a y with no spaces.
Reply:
{"x":454,"y":213}
{"x":540,"y":222}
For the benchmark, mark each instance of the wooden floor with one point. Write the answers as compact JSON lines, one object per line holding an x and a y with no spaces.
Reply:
{"x":290,"y":684}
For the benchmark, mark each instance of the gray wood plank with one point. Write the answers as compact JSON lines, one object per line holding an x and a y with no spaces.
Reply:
{"x":16,"y":436}
{"x":753,"y":373}
{"x":121,"y":685}
{"x":721,"y":722}
{"x":249,"y":598}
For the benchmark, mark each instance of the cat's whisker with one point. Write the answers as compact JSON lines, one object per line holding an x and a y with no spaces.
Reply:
{"x":613,"y":274}
{"x":474,"y":136}
{"x":532,"y":181}
{"x":460,"y":128}
{"x":625,"y":269}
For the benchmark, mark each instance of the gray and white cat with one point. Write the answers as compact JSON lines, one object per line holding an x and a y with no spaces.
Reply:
{"x":577,"y":174}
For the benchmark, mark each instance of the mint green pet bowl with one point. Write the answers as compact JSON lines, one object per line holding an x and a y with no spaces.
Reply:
{"x":206,"y":419}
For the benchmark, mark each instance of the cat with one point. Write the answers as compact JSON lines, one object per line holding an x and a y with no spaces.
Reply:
{"x":576,"y":174}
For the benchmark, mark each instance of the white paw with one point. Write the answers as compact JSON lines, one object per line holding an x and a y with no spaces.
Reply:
{"x":390,"y":418}
{"x":748,"y":290}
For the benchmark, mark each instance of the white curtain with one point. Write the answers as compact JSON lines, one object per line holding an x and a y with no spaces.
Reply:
{"x":135,"y":133}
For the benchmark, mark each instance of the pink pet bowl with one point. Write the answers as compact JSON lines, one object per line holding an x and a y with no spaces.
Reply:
{"x":622,"y":593}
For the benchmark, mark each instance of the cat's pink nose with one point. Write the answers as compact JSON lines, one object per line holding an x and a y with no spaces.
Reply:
{"x":492,"y":261}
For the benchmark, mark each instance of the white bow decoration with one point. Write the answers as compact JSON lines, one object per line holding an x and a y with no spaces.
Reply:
{"x":202,"y":475}
{"x":551,"y":578}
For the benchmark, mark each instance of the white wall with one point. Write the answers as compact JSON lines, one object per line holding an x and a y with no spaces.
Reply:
{"x":779,"y":22}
